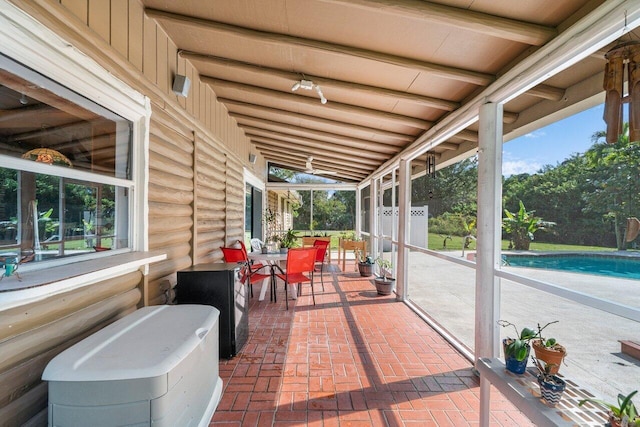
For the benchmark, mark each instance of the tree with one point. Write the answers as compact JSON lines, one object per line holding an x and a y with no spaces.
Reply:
{"x":615,"y":170}
{"x":522,"y":225}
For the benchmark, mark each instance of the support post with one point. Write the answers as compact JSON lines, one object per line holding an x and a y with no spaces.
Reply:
{"x":404,"y":210}
{"x":487,"y":301}
{"x":373,"y":218}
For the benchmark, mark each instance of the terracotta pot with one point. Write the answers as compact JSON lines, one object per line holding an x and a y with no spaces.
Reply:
{"x":617,"y":422}
{"x":552,"y":357}
{"x":384,"y":287}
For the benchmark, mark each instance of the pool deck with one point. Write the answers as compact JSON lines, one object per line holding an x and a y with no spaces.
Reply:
{"x":591,"y":336}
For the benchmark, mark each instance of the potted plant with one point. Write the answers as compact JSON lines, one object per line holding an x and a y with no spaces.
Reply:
{"x":287,"y":240}
{"x":516,"y":350}
{"x":548,"y":350}
{"x":551,"y":386}
{"x":365,"y":264}
{"x":623,"y":415}
{"x":383,"y":281}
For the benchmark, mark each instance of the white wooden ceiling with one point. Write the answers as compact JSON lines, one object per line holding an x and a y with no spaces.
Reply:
{"x":390,"y":70}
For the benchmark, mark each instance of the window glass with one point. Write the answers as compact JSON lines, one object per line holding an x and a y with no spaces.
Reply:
{"x":74,"y":198}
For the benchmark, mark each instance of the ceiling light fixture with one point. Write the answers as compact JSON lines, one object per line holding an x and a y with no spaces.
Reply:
{"x":309,"y":85}
{"x":48,"y":156}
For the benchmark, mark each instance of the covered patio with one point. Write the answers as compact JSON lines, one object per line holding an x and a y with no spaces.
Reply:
{"x":355,"y":359}
{"x":370,"y":93}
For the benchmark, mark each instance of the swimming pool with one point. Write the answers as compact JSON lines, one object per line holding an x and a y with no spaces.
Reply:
{"x":626,"y":267}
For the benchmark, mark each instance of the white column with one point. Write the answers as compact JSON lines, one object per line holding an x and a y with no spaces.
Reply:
{"x":404,"y":211}
{"x":488,"y":243}
{"x":373,"y":218}
{"x":358,"y":222}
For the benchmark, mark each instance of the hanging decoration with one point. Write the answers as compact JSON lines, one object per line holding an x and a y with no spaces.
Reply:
{"x":431,"y":165}
{"x":623,"y":63}
{"x":48,"y":156}
{"x":431,"y":170}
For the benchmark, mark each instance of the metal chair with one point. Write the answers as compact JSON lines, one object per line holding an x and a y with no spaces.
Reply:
{"x":254,"y":265}
{"x":300,"y":266}
{"x":322,"y":246}
{"x":248,"y":275}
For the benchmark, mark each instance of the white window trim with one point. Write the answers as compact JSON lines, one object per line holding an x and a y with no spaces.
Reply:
{"x":25,"y":40}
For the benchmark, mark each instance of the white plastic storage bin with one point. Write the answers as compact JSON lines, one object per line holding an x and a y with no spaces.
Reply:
{"x":157,"y":366}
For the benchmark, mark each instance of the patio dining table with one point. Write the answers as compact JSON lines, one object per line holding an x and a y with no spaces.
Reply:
{"x":272,"y":261}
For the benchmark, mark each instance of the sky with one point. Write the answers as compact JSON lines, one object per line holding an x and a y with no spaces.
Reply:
{"x":552,"y":144}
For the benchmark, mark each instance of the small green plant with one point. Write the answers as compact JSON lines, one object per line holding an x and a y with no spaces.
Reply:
{"x":385,"y":266}
{"x":625,"y":411}
{"x":361,"y":258}
{"x":544,"y":369}
{"x":517,"y":347}
{"x":288,"y":239}
{"x":547,"y":342}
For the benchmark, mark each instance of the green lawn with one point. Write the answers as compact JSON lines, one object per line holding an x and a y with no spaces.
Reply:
{"x":436,"y":242}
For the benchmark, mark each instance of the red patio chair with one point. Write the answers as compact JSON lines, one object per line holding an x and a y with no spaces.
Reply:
{"x":300,"y":266}
{"x":248,"y":274}
{"x":322,"y":246}
{"x":254,"y":265}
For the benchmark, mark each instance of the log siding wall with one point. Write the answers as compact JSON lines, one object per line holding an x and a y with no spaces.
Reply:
{"x":196,"y":192}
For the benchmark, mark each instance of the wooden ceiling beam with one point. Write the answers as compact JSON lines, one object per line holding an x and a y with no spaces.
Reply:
{"x":374,"y":115}
{"x":319,"y":161}
{"x":468,"y":135}
{"x":204,"y":25}
{"x":285,"y":161}
{"x":319,"y":153}
{"x":395,"y":95}
{"x":546,"y":92}
{"x":364,"y":157}
{"x":484,"y":23}
{"x":348,"y":128}
{"x":316,"y":134}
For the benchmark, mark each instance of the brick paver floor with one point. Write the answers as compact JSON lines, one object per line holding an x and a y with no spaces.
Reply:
{"x":353,"y":359}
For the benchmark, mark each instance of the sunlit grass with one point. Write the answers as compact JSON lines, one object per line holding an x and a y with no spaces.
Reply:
{"x":454,"y":243}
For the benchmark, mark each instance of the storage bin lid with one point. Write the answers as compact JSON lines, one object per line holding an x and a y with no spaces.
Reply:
{"x":147,"y":343}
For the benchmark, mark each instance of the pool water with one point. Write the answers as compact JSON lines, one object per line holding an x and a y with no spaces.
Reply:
{"x":616,"y":266}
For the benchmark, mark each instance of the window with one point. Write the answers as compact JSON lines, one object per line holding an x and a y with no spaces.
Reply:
{"x":65,"y":170}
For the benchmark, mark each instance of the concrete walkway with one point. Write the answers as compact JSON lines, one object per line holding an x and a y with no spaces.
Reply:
{"x":446,"y":291}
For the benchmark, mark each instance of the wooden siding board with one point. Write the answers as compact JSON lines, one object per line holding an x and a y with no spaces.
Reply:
{"x":162,"y":69}
{"x":100,"y":18}
{"x":136,"y":34}
{"x":169,"y":149}
{"x":79,"y":8}
{"x":164,"y":179}
{"x":120,"y":26}
{"x":22,"y":347}
{"x":157,"y":209}
{"x":149,"y":49}
{"x":31,"y":316}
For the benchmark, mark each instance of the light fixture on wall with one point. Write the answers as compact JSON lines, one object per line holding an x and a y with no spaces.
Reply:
{"x":252,"y":158}
{"x":48,"y":156}
{"x":181,"y":85}
{"x":24,"y":100}
{"x":309,"y":85}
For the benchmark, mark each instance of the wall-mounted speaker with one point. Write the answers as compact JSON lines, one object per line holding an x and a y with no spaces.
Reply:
{"x":252,"y":158}
{"x":181,"y":85}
